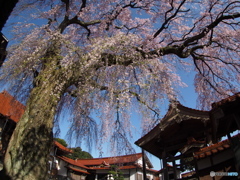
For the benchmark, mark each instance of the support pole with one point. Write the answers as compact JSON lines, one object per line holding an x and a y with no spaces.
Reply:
{"x":196,"y":168}
{"x":236,"y":151}
{"x":174,"y":169}
{"x":144,"y":165}
{"x":165,"y":167}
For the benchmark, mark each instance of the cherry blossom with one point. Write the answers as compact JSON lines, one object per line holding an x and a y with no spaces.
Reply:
{"x":109,"y":56}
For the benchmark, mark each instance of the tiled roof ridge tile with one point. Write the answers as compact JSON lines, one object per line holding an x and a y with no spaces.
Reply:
{"x":225,"y":100}
{"x":111,"y":157}
{"x":225,"y":143}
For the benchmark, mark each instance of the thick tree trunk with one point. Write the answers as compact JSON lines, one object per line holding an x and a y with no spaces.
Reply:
{"x":29,"y":148}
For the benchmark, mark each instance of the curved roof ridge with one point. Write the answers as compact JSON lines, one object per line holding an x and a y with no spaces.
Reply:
{"x":73,"y":162}
{"x":110,"y":157}
{"x":60,"y":146}
{"x":225,"y":100}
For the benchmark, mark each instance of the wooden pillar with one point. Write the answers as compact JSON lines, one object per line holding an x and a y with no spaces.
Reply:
{"x":165,"y":168}
{"x":144,"y":165}
{"x":174,"y":169}
{"x":235,"y":149}
{"x":211,"y":161}
{"x":161,"y":167}
{"x":196,"y":168}
{"x":237,"y":120}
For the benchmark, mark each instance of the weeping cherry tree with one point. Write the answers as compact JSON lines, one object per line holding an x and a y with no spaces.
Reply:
{"x":108,"y":57}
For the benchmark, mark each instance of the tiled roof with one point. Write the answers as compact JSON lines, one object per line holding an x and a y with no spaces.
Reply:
{"x":213,"y":149}
{"x":104,"y":163}
{"x":10,"y":107}
{"x":78,"y":170}
{"x":111,"y":160}
{"x":60,"y":146}
{"x":73,"y":162}
{"x":226,"y":100}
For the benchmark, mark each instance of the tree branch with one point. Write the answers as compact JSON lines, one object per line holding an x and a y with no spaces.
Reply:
{"x":66,"y":22}
{"x":84,"y":2}
{"x":211,"y":26}
{"x":167,"y":20}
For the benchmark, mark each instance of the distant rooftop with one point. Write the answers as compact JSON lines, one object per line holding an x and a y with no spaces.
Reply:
{"x":10,"y":107}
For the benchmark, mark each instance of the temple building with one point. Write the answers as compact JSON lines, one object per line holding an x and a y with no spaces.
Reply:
{"x":129,"y":167}
{"x":191,"y":138}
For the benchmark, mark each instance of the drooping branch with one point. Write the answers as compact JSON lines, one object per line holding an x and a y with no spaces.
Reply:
{"x":207,"y":71}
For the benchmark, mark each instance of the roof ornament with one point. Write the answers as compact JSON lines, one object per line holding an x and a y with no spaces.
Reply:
{"x":174,"y":102}
{"x":105,"y":163}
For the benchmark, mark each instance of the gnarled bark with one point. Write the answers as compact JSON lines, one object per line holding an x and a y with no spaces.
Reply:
{"x":29,"y":148}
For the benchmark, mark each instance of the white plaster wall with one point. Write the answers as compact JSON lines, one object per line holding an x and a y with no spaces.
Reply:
{"x":132,"y":174}
{"x":135,"y":173}
{"x":124,"y":171}
{"x":139,"y":161}
{"x":161,"y":176}
{"x":63,"y":170}
{"x":150,"y":175}
{"x":139,"y":172}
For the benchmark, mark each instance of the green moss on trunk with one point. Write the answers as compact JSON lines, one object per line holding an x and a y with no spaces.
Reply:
{"x":29,"y":148}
